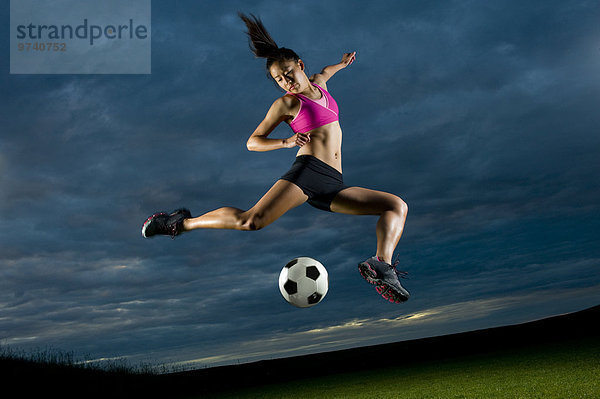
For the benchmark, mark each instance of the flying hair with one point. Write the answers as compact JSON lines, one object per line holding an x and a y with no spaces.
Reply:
{"x":262,"y":44}
{"x":260,"y":41}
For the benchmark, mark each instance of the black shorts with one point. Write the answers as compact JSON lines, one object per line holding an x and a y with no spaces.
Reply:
{"x":319,"y":181}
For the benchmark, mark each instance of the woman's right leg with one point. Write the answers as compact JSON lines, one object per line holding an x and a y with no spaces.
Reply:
{"x":280,"y":198}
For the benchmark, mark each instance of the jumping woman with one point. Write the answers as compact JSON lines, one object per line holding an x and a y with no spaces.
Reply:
{"x":315,"y":176}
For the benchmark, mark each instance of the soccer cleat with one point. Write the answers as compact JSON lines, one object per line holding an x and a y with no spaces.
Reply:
{"x":385,"y":277}
{"x":162,"y":223}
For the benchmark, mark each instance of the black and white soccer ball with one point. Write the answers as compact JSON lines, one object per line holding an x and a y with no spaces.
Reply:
{"x":303,"y":282}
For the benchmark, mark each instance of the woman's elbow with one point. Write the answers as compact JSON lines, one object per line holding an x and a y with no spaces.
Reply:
{"x":251,"y":145}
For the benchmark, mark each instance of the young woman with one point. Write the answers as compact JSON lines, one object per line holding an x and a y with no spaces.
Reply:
{"x":315,"y":176}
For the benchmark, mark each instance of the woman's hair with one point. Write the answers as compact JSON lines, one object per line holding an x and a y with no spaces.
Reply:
{"x":262,"y":44}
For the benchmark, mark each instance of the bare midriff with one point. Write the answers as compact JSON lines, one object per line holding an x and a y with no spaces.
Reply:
{"x":325,"y":144}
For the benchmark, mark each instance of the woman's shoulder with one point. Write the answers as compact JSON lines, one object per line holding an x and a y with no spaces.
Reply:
{"x":287,"y":101}
{"x":318,"y":80}
{"x":286,"y":105}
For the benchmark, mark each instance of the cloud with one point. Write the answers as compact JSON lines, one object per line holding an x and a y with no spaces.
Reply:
{"x":455,"y":317}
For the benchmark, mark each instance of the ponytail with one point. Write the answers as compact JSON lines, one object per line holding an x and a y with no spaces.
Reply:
{"x":262,"y":44}
{"x":260,"y":41}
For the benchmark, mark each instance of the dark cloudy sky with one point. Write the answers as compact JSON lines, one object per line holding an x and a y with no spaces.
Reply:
{"x":482,"y":116}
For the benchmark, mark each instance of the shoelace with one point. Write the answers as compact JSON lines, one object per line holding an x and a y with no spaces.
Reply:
{"x":400,"y":273}
{"x":174,"y":228}
{"x":173,"y":231}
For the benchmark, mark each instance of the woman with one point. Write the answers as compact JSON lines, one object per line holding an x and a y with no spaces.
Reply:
{"x":316,"y":175}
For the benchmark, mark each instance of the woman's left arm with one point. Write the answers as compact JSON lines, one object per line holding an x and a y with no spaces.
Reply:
{"x":331,"y":70}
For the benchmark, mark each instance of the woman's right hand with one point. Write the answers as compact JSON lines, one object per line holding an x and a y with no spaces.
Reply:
{"x":297,"y":140}
{"x":302,"y":138}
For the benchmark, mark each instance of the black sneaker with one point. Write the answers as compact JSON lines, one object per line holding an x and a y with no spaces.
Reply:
{"x":162,"y":223}
{"x":385,"y":277}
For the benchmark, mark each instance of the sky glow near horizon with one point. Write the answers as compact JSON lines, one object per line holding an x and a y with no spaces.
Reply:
{"x":481,"y":116}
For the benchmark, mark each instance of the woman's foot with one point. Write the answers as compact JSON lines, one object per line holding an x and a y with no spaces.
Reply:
{"x":162,"y":223}
{"x":385,"y":277}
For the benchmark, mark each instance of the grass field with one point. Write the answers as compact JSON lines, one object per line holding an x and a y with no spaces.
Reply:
{"x":567,"y":370}
{"x":557,"y":357}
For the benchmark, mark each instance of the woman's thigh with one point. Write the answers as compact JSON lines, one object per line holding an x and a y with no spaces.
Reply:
{"x":280,"y":198}
{"x":364,"y":201}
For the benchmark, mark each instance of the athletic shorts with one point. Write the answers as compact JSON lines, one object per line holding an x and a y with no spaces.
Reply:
{"x":319,"y":181}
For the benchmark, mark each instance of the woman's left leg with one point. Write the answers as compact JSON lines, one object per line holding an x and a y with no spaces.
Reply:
{"x":392,"y":215}
{"x":391,"y":209}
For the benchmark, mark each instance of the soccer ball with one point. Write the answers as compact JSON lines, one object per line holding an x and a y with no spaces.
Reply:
{"x":303,"y":282}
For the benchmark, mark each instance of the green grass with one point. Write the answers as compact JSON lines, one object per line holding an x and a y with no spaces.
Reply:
{"x":568,"y":370}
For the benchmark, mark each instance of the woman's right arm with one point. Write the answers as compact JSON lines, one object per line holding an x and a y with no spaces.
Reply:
{"x":259,"y":140}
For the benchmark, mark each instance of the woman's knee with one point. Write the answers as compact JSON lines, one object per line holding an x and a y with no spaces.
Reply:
{"x":251,"y":221}
{"x":399,"y":206}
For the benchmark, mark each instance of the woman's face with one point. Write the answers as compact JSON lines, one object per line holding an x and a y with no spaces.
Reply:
{"x":289,"y":75}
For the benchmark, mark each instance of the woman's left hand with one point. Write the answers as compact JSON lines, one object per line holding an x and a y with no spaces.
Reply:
{"x":348,"y":58}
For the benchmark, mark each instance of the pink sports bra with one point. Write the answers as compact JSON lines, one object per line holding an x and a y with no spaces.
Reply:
{"x":314,"y":113}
